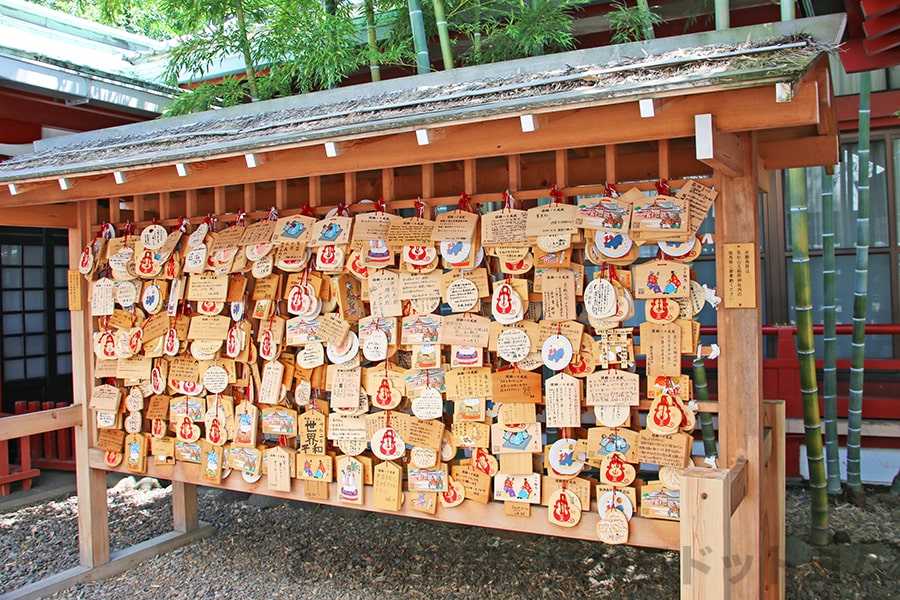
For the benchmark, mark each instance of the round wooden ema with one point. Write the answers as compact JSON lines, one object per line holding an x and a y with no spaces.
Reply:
{"x":346,"y":350}
{"x":352,"y":447}
{"x":462,"y":295}
{"x":612,"y":528}
{"x":611,"y":415}
{"x":419,"y":256}
{"x":387,"y":444}
{"x":484,"y":462}
{"x":661,"y":310}
{"x":664,"y":416}
{"x":158,"y":428}
{"x":581,"y":365}
{"x":615,"y":470}
{"x":615,"y":500}
{"x":554,"y":243}
{"x":513,"y":345}
{"x":185,"y":430}
{"x":556,"y":352}
{"x":600,"y":299}
{"x":209,"y":307}
{"x":453,"y":494}
{"x":425,"y":306}
{"x":564,"y":508}
{"x":251,"y":477}
{"x":126,"y":294}
{"x":697,"y":298}
{"x":386,"y":396}
{"x":506,"y":305}
{"x":215,"y":379}
{"x":670,"y":477}
{"x":133,"y":422}
{"x":113,"y":458}
{"x":517,"y":267}
{"x":312,"y":355}
{"x":206,"y":349}
{"x":613,"y":244}
{"x":448,"y":448}
{"x":428,"y":405}
{"x":455,"y":251}
{"x":563,"y":461}
{"x":422,"y":458}
{"x":375,"y":346}
{"x":678,"y":249}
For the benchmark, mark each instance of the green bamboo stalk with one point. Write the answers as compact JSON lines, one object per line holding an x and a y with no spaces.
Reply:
{"x":249,"y":68}
{"x":372,"y":41}
{"x":829,"y":383}
{"x":420,"y":42}
{"x":648,"y":27}
{"x":860,"y":294}
{"x":806,"y":354}
{"x":707,"y":429}
{"x":444,"y":34}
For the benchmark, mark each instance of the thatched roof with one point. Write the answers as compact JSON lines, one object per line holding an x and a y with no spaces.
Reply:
{"x":682,"y":65}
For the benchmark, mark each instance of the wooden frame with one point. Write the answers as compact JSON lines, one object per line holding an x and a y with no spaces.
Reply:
{"x":724,"y":508}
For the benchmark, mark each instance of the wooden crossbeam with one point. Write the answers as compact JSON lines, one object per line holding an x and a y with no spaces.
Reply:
{"x":17,"y":426}
{"x":720,"y":150}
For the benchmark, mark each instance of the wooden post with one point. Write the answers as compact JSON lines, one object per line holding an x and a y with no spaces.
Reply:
{"x":774,"y":492}
{"x":93,"y":514}
{"x":249,"y":197}
{"x":388,"y":193}
{"x":428,"y":180}
{"x":740,"y":369}
{"x":185,"y":508}
{"x":281,"y":194}
{"x":562,"y":168}
{"x":706,"y":534}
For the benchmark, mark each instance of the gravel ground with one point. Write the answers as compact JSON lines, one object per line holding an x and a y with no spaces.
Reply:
{"x":269,"y":548}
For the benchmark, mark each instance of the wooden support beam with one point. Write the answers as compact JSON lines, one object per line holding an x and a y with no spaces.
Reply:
{"x":738,"y":483}
{"x":315,"y":191}
{"x":663,"y":159}
{"x":55,"y":215}
{"x":16,"y":426}
{"x":388,"y":187}
{"x":93,"y":514}
{"x":718,"y":149}
{"x":610,"y":156}
{"x":350,"y":188}
{"x":137,"y":208}
{"x":185,"y":507}
{"x":165,"y":206}
{"x":428,"y":180}
{"x":562,"y":168}
{"x":249,"y":197}
{"x":650,"y":533}
{"x":740,"y":367}
{"x":281,"y":194}
{"x":514,"y":168}
{"x":120,"y":561}
{"x":774,"y":493}
{"x":798,"y":152}
{"x":706,"y":536}
{"x":190,"y":201}
{"x":219,"y":200}
{"x":470,"y":176}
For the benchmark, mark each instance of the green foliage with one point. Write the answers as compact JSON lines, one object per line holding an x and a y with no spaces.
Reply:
{"x":145,"y":18}
{"x":230,"y":91}
{"x":520,"y":30}
{"x":631,"y":23}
